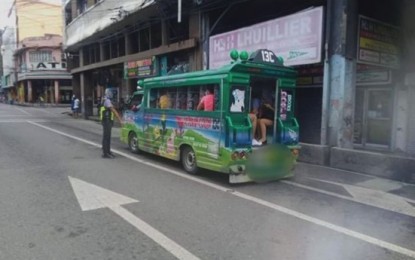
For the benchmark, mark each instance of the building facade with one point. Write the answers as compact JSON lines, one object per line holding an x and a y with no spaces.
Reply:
{"x":33,"y":63}
{"x":354,"y":58}
{"x":41,"y":70}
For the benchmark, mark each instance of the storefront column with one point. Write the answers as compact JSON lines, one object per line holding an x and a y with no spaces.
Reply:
{"x":406,"y":130}
{"x":164,"y":36}
{"x":340,"y":80}
{"x":101,"y":52}
{"x":82,"y":84}
{"x":127,"y":43}
{"x":205,"y":28}
{"x":29,"y":91}
{"x":57,"y":101}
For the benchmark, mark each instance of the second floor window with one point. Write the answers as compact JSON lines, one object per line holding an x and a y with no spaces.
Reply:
{"x":40,"y":56}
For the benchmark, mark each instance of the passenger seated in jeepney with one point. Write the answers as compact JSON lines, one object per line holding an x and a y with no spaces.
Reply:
{"x":164,"y":100}
{"x":253,"y":116}
{"x":207,"y":101}
{"x":266,"y":116}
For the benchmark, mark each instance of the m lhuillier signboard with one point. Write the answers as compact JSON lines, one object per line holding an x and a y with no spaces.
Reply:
{"x":296,"y":38}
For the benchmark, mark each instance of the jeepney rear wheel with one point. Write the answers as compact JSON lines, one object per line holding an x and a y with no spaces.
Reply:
{"x":133,"y":142}
{"x":188,"y":158}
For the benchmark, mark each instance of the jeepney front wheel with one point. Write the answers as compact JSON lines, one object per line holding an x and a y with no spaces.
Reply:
{"x":188,"y":158}
{"x":133,"y":142}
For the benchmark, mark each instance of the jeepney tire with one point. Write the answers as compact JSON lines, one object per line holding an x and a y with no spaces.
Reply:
{"x":188,"y":158}
{"x":133,"y":142}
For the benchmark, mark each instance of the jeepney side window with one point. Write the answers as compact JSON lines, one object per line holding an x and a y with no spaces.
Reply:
{"x":238,"y":99}
{"x":135,"y":102}
{"x":181,"y":98}
{"x":153,"y":97}
{"x":214,"y":88}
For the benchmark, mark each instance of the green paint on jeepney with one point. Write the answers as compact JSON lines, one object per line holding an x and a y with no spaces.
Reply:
{"x":220,"y":139}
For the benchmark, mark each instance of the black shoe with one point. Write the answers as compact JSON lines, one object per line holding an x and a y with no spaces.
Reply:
{"x":106,"y":156}
{"x":111,"y":155}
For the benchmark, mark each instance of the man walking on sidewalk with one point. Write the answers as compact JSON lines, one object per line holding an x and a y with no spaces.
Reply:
{"x":107,"y":112}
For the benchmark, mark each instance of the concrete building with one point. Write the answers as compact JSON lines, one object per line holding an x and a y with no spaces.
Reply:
{"x":42,"y":70}
{"x":354,"y":58}
{"x":32,"y":53}
{"x":109,"y":40}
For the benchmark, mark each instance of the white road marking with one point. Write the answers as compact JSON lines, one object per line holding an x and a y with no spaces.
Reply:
{"x":92,"y":197}
{"x":46,"y":111}
{"x":371,"y":197}
{"x":24,"y":111}
{"x":355,"y":173}
{"x":380,"y":184}
{"x":21,"y":120}
{"x":299,"y":215}
{"x":11,"y":115}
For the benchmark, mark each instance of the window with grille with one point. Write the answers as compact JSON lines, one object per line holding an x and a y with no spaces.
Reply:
{"x":40,"y":56}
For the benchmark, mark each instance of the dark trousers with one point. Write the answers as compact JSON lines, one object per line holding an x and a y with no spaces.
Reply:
{"x":106,"y":137}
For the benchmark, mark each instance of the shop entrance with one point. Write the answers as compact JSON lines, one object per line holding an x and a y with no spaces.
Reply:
{"x":373,"y":117}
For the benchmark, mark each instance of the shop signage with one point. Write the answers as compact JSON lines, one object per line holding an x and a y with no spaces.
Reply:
{"x":371,"y":75}
{"x":296,"y":38}
{"x":310,"y":75}
{"x":139,"y":68}
{"x":44,"y":66}
{"x":378,"y":43}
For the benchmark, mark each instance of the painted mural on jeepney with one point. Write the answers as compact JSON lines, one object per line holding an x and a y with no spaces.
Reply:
{"x":162,"y":134}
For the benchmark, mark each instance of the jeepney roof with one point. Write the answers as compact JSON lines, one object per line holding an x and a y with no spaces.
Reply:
{"x":238,"y":66}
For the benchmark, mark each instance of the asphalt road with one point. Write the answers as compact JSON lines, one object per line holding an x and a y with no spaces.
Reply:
{"x":61,"y":200}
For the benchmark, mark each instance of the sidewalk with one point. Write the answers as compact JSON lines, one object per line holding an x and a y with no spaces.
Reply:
{"x":26,"y":104}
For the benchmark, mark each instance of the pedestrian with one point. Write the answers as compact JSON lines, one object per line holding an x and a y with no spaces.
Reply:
{"x":76,"y":107}
{"x":72,"y":103}
{"x":41,"y":101}
{"x":107,"y":112}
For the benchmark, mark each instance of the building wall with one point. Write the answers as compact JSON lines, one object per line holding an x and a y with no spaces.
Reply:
{"x":8,"y":48}
{"x":47,"y":42}
{"x":408,"y":20}
{"x":37,"y":19}
{"x":96,"y":19}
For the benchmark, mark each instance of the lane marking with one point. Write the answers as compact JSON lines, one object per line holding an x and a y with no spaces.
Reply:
{"x":366,"y":196}
{"x":21,"y":120}
{"x":299,"y":215}
{"x":45,"y":111}
{"x":21,"y":110}
{"x":351,"y":172}
{"x":11,"y":115}
{"x":168,"y":244}
{"x":91,"y":197}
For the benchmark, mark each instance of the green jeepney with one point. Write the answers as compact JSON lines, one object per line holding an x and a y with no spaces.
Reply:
{"x":219,"y":140}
